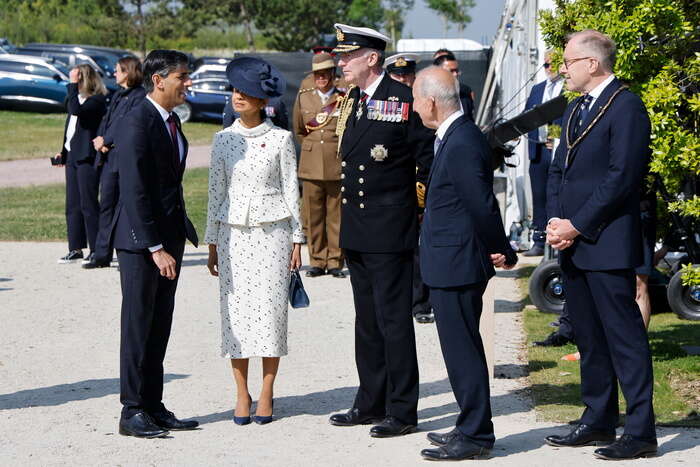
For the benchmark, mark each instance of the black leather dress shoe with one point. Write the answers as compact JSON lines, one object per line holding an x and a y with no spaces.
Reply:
{"x":390,"y":427}
{"x":141,"y":425}
{"x":315,"y":272}
{"x":95,"y":263}
{"x":441,"y":439}
{"x":534,"y":251}
{"x":553,"y":340}
{"x":582,"y":435}
{"x":336,"y":272}
{"x":424,"y":317}
{"x":352,"y":417}
{"x":626,"y":447}
{"x":458,"y":448}
{"x":169,"y":421}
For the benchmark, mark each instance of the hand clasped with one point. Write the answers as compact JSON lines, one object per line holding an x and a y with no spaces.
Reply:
{"x":561,"y":233}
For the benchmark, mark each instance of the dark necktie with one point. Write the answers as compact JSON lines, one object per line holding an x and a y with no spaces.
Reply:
{"x":583,"y":111}
{"x":173,"y":136}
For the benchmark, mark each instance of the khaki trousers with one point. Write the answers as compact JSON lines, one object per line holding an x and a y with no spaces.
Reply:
{"x":321,"y":206}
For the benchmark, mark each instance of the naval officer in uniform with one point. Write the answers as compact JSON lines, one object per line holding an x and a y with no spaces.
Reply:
{"x":402,"y":67}
{"x":380,"y":142}
{"x":315,"y":117}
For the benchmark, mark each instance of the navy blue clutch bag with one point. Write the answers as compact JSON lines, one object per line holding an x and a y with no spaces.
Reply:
{"x":297,"y":295}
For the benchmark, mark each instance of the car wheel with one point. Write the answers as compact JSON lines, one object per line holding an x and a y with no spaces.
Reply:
{"x":547,"y":288}
{"x":684,"y":300}
{"x":184,"y":112}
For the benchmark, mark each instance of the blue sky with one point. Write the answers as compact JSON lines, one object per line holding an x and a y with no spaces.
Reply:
{"x":424,"y":23}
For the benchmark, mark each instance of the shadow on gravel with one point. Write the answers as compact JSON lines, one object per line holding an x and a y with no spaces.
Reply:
{"x":508,"y":306}
{"x":329,"y":402}
{"x":64,"y":393}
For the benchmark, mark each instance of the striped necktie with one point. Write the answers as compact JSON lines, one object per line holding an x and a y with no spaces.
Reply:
{"x":583,"y":111}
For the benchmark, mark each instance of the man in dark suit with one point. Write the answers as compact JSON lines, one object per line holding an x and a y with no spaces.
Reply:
{"x":540,"y":153}
{"x":462,"y":238}
{"x":149,"y":232}
{"x":593,"y":204}
{"x":381,"y":141}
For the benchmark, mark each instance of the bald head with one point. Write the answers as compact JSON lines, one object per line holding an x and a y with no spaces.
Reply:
{"x":438,"y":86}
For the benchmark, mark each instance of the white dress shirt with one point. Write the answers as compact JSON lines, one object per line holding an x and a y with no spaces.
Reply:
{"x":372,"y":88}
{"x":325,"y":95}
{"x":598,"y":90}
{"x":72,"y":123}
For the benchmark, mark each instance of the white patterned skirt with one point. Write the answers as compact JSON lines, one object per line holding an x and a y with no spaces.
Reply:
{"x":254,"y":287}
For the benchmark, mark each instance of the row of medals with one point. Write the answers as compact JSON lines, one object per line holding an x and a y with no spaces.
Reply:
{"x":384,"y":111}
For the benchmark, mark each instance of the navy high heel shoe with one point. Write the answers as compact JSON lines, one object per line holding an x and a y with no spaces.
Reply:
{"x":262,"y":420}
{"x":242,"y":420}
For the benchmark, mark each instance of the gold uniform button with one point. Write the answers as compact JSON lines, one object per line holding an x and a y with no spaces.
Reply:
{"x":361,"y":193}
{"x":343,"y":163}
{"x":362,"y":206}
{"x":362,"y":167}
{"x":342,"y":175}
{"x":321,"y":141}
{"x":345,"y":201}
{"x":362,"y":180}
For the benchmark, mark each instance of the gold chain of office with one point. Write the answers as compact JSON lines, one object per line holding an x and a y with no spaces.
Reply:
{"x":570,"y":146}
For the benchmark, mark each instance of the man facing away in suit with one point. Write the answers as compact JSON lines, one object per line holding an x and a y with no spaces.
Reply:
{"x":149,"y":230}
{"x":462,"y":239}
{"x":594,"y":221}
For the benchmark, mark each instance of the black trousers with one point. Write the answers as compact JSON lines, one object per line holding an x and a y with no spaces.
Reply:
{"x":82,"y":207}
{"x":539,"y":168}
{"x":457,"y":314}
{"x":109,"y":195}
{"x":385,"y":343}
{"x":614,"y":347}
{"x":148,"y":300}
{"x":421,"y":292}
{"x":565,"y":327}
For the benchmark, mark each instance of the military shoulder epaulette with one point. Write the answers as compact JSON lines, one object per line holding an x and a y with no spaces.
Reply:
{"x":306,"y":90}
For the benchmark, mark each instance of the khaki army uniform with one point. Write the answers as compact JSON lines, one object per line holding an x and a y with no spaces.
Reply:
{"x":319,"y":169}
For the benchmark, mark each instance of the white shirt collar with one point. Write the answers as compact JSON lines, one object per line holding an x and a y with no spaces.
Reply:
{"x":372,"y":88}
{"x":163,"y":113}
{"x":442,"y":129}
{"x":325,"y":94}
{"x":598,"y":90}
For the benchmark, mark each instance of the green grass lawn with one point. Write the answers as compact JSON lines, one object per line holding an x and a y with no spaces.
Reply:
{"x":555,"y":383}
{"x":30,"y":135}
{"x":38,"y":213}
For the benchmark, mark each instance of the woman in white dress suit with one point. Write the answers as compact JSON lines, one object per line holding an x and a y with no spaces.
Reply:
{"x":253,"y":231}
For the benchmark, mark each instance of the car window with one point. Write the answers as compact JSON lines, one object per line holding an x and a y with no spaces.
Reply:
{"x":12,"y":67}
{"x":209,"y":74}
{"x":39,"y":70}
{"x":212,"y":85}
{"x":103,"y":63}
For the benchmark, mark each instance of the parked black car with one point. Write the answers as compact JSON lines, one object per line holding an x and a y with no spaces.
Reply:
{"x":32,"y":83}
{"x":6,"y":47}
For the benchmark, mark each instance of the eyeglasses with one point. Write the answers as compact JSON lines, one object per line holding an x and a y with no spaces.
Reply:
{"x":571,"y":61}
{"x":547,"y":65}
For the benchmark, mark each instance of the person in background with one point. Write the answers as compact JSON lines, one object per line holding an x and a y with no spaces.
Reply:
{"x":314,"y":119}
{"x":129,"y":76}
{"x":253,"y":231}
{"x":86,"y":105}
{"x":447,"y":61}
{"x":402,"y":68}
{"x":540,"y":153}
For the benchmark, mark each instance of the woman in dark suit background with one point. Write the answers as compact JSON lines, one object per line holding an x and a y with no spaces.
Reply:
{"x":129,"y":75}
{"x":86,"y":105}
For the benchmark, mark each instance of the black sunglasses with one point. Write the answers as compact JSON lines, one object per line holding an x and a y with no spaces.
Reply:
{"x":546,"y":65}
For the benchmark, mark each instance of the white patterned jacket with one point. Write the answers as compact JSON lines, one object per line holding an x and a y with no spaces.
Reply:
{"x":253,"y":179}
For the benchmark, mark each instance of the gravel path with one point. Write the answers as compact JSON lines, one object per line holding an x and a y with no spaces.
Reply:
{"x":26,"y":172}
{"x":59,"y":402}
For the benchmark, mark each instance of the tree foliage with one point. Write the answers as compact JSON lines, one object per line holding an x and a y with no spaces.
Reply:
{"x":453,"y":11}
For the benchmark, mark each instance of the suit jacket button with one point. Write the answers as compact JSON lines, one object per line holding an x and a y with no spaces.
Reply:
{"x":345,"y":201}
{"x":362,"y":206}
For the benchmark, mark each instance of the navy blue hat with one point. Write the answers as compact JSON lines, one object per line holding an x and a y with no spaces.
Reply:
{"x":255,"y":77}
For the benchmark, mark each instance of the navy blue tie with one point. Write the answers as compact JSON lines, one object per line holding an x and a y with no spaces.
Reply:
{"x":583,"y":111}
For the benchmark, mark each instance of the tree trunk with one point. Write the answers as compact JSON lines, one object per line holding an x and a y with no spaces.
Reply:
{"x":247,"y":27}
{"x":141,"y":27}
